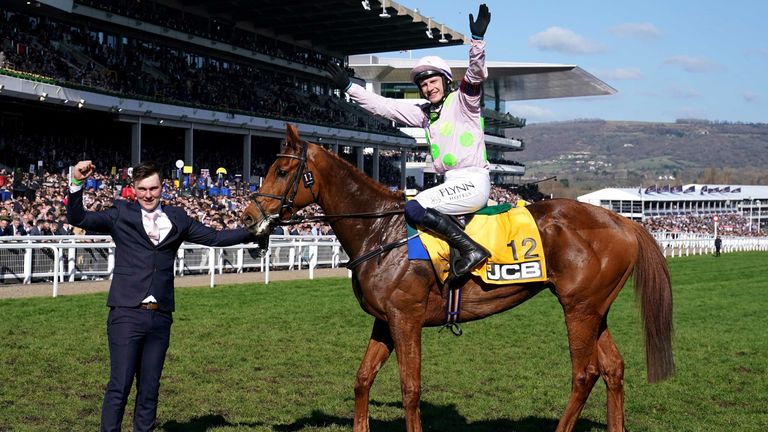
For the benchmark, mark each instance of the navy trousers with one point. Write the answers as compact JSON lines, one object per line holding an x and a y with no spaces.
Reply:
{"x":138,"y":341}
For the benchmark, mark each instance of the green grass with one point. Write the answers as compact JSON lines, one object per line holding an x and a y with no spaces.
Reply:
{"x":283,"y":357}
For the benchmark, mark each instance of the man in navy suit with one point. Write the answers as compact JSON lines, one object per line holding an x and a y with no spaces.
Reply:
{"x":147,"y":236}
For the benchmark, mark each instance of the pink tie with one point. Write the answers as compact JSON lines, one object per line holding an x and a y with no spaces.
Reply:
{"x":154,"y":229}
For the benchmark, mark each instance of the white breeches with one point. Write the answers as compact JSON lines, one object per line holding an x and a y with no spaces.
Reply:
{"x":465,"y":190}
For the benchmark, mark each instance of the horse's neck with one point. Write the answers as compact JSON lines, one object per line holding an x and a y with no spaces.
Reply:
{"x":348,"y":191}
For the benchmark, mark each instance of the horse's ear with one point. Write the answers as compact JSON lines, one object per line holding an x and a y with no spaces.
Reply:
{"x":292,"y":136}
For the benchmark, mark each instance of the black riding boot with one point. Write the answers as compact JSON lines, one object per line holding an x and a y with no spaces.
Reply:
{"x":472,"y":254}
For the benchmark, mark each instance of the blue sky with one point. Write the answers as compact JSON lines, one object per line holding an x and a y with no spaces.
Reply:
{"x":667,"y":59}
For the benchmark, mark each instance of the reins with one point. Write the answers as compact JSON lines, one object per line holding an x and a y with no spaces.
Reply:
{"x":368,"y":255}
{"x":301,"y":219}
{"x":378,"y":251}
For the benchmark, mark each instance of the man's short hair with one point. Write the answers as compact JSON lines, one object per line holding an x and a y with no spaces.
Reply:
{"x":145,"y":170}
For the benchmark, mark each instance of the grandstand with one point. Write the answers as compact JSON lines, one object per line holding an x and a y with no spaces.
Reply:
{"x":750,"y":202}
{"x":213,"y":82}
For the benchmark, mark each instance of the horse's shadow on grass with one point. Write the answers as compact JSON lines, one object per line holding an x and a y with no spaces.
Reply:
{"x":446,"y":416}
{"x":203,"y":424}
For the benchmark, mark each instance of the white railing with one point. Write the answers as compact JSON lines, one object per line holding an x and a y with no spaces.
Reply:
{"x":60,"y":259}
{"x":687,"y":244}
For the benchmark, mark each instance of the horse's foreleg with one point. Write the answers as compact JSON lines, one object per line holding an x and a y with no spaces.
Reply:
{"x":582,"y":341}
{"x":612,"y":371}
{"x":407,"y":337}
{"x":378,"y":351}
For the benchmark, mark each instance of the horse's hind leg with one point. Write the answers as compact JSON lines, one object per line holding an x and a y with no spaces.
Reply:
{"x":592,"y":357}
{"x":582,"y":341}
{"x":612,"y":371}
{"x":378,"y":351}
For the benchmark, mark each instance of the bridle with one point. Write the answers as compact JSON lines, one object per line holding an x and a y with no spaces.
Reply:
{"x":289,"y":195}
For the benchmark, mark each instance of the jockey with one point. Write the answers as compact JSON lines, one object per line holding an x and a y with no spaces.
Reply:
{"x":454,"y":129}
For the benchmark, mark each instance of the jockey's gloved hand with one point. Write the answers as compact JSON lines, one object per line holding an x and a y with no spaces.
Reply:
{"x":339,"y":76}
{"x":478,"y":26}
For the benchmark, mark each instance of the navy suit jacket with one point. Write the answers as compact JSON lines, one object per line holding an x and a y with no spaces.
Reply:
{"x":142,"y":268}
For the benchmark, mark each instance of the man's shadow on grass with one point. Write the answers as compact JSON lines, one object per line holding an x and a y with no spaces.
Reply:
{"x":446,"y":416}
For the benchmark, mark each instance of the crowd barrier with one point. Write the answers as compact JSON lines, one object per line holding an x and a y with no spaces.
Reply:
{"x":686,"y":244}
{"x":62,"y":259}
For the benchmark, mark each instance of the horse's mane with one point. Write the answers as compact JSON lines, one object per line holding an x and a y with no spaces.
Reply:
{"x":398,"y":195}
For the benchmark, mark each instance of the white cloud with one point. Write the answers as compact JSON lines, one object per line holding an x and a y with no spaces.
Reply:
{"x":684,"y":93}
{"x":564,"y":40}
{"x":621,"y":74}
{"x":749,"y":96}
{"x":693,"y":64}
{"x":531,"y":112}
{"x":638,"y":30}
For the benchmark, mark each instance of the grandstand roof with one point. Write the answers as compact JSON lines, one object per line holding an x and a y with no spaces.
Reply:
{"x":347,"y":28}
{"x":343,"y":27}
{"x":339,"y":27}
{"x":507,"y":81}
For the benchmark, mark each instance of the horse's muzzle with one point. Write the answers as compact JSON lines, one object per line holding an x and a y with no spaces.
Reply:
{"x":256,"y":223}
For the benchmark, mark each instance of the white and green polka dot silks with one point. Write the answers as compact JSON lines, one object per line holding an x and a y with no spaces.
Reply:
{"x":456,"y":138}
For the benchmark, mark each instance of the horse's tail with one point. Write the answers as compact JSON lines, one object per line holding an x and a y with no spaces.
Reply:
{"x":653,"y":290}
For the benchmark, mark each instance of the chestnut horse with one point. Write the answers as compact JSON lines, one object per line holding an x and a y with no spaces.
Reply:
{"x":591,"y":252}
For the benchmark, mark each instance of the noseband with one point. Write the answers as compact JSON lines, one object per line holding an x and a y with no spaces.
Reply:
{"x":289,"y":195}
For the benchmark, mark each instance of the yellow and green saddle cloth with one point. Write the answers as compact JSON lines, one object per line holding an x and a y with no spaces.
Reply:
{"x":510,"y":234}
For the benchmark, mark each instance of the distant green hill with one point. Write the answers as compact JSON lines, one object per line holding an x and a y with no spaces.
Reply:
{"x":592,"y":154}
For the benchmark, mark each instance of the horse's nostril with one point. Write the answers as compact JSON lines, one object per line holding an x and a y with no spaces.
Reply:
{"x":248,"y":220}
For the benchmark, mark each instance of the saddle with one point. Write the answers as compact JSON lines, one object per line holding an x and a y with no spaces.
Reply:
{"x":510,"y":234}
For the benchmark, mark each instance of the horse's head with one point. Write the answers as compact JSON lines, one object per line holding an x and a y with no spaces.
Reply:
{"x":285,"y":189}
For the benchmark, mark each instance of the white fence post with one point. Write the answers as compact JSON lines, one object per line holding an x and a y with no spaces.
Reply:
{"x":240,"y":253}
{"x":72,"y":263}
{"x":56,"y":255}
{"x":28,"y":266}
{"x":212,"y":264}
{"x":267,"y":257}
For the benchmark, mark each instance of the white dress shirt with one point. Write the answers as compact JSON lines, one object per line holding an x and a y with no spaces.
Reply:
{"x":164,"y":225}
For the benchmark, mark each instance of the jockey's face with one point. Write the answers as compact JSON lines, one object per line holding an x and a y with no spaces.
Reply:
{"x":432,"y":89}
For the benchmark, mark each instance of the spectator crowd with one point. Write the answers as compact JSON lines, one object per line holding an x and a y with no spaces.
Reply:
{"x":730,"y":224}
{"x":82,"y":56}
{"x":36,"y":205}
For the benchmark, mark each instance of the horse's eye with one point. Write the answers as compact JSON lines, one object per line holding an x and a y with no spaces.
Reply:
{"x":281,"y":172}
